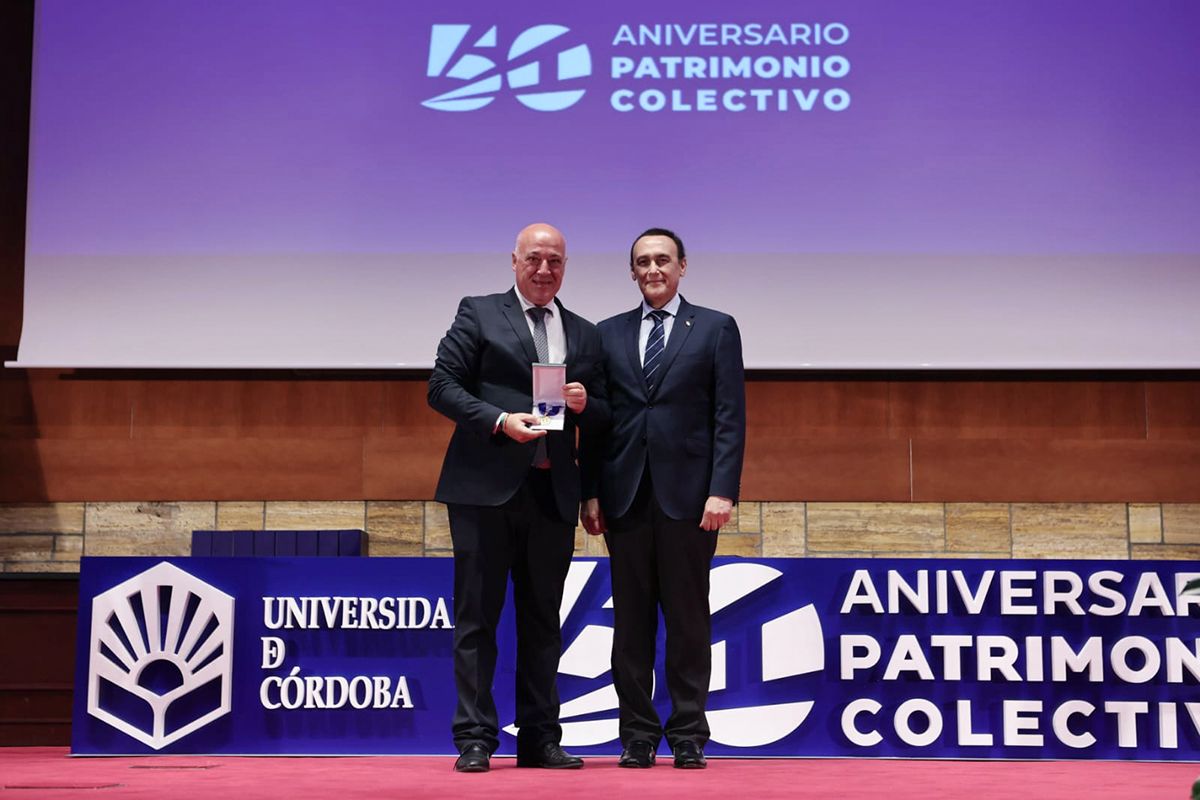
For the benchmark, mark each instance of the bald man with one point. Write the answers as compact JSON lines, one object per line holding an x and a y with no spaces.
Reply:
{"x":513,"y":493}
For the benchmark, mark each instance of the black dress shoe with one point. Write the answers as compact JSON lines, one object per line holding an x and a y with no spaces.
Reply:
{"x":688,"y":755}
{"x":474,"y":758}
{"x":549,"y":756}
{"x":638,"y":755}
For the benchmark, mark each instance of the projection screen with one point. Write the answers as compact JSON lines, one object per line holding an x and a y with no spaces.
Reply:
{"x":862,"y":183}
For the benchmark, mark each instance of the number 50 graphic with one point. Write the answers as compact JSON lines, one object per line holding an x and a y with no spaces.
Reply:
{"x":524,"y":69}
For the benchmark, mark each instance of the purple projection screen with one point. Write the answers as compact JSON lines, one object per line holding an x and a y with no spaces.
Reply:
{"x":862,"y":183}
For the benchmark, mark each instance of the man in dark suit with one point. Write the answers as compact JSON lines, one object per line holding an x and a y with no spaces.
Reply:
{"x":512,"y":493}
{"x":660,"y":485}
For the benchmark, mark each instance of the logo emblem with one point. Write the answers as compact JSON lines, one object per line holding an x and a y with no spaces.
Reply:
{"x":789,"y":645}
{"x":528,"y":68}
{"x":160,"y":660}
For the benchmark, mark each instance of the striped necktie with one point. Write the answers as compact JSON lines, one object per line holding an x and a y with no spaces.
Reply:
{"x":654,"y":347}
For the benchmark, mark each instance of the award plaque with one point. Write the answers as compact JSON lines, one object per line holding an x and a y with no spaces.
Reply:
{"x":548,"y":404}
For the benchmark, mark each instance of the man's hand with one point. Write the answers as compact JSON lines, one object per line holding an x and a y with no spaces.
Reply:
{"x":717,"y":511}
{"x":516,"y":427}
{"x":592,"y":517}
{"x":576,"y":396}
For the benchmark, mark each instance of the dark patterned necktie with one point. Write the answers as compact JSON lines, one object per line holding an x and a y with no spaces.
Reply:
{"x":654,"y":347}
{"x":540,"y":342}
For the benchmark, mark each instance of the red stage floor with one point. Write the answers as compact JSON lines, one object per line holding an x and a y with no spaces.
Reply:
{"x":44,"y":772}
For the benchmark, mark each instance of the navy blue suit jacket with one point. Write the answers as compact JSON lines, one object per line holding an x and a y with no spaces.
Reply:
{"x":484,"y":367}
{"x":691,"y":429}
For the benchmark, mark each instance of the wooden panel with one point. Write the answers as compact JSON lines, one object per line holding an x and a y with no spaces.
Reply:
{"x":36,"y":702}
{"x":403,"y":467}
{"x":16,"y":47}
{"x":1019,"y":409}
{"x":178,"y":409}
{"x":780,"y":467}
{"x":1055,"y":471}
{"x":37,"y":669}
{"x":34,"y":734}
{"x":406,"y":411}
{"x":259,"y":407}
{"x":228,"y":437}
{"x":58,"y":404}
{"x":1173,"y":409}
{"x":186,"y":469}
{"x":38,"y":611}
{"x":807,"y":409}
{"x":52,"y":662}
{"x":819,"y":409}
{"x":16,"y":406}
{"x":53,"y":595}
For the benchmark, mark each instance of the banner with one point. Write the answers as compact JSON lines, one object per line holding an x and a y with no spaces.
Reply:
{"x":914,"y":658}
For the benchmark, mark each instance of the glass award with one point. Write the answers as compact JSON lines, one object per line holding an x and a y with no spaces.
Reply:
{"x":548,"y":404}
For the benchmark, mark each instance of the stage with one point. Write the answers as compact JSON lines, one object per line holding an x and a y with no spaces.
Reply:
{"x":49,"y":772}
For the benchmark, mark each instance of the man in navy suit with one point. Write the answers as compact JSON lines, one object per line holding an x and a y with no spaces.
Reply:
{"x":512,"y":493}
{"x":660,"y":485}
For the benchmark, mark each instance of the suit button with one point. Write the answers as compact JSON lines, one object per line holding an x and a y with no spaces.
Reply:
{"x":650,"y":406}
{"x":643,"y":440}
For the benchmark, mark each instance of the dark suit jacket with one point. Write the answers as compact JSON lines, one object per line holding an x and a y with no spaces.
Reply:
{"x":692,"y":426}
{"x":483,"y":368}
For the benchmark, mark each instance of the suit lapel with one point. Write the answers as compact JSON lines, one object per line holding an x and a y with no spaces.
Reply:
{"x":633,"y":324}
{"x":516,"y":318}
{"x":570,"y":331}
{"x":680,"y":330}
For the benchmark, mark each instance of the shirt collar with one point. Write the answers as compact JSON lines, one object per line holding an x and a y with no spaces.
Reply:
{"x":526,"y":305}
{"x":672,"y":308}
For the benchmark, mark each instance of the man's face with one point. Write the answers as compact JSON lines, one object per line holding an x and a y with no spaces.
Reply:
{"x":657,"y":269}
{"x":539,"y":261}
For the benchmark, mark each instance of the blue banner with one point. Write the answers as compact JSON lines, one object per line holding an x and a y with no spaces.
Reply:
{"x":915,"y":658}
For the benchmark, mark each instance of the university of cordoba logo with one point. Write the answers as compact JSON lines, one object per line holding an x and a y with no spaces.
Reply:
{"x":792,"y":645}
{"x":528,"y":70}
{"x":160,"y":661}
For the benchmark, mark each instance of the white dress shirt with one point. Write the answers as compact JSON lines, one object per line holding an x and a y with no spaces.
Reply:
{"x":672,"y":308}
{"x":556,"y":337}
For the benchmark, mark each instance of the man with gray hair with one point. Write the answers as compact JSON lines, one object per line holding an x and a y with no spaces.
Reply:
{"x":513,"y":492}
